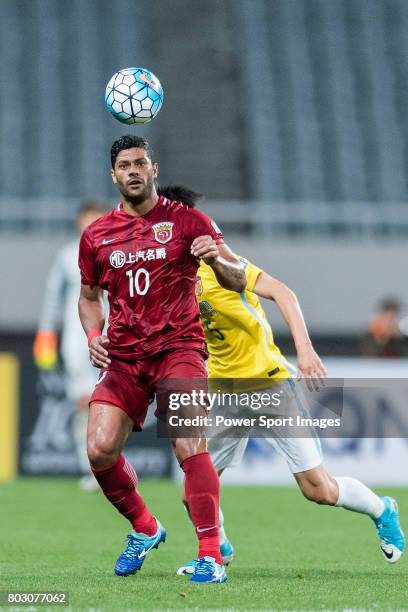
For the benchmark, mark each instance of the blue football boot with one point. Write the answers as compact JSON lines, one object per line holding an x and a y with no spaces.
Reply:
{"x":207,"y":571}
{"x":227,"y":554}
{"x":188,"y":568}
{"x":392,"y":539}
{"x":139,"y":545}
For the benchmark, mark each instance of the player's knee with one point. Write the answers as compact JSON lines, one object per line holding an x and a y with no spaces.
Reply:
{"x":101,"y":453}
{"x":187,"y":447}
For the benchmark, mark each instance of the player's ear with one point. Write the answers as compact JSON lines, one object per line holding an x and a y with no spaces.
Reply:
{"x":155,"y":169}
{"x":113,"y":176}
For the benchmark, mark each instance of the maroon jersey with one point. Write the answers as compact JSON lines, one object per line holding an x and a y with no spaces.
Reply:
{"x":145,"y":265}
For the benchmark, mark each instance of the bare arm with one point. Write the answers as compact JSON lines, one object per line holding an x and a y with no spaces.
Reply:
{"x":227,"y":268}
{"x":92,"y":314}
{"x":91,"y":309}
{"x":309,"y":363}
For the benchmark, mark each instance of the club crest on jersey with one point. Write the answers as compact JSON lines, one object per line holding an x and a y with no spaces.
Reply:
{"x":198,"y":286}
{"x":163,"y":231}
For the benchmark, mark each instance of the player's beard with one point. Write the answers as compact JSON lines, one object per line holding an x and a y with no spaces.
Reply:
{"x":135,"y":200}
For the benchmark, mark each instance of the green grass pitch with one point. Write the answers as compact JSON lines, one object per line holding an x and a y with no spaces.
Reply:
{"x":290,"y":554}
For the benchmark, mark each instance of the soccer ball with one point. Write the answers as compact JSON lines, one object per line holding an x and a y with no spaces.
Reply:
{"x":134,"y":95}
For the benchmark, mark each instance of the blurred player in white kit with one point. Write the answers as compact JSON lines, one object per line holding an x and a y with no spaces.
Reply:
{"x":60,"y":316}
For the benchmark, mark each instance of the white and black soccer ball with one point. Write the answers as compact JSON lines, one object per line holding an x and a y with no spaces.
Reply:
{"x":134,"y":95}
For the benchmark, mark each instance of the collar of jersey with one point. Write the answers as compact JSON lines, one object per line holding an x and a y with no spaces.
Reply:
{"x":160,"y":201}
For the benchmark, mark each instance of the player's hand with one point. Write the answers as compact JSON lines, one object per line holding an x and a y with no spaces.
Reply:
{"x":310,"y":367}
{"x":206,"y":248}
{"x":97,"y":352}
{"x":45,"y":350}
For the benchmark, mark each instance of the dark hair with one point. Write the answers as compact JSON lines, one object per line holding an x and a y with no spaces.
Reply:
{"x":129,"y":142}
{"x":91,"y":206}
{"x":181,"y":194}
{"x":391,"y":303}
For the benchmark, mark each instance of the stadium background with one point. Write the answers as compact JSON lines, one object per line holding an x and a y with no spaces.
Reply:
{"x":289,"y":115}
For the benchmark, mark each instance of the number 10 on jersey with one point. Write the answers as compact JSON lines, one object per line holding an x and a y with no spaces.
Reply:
{"x":140,"y":282}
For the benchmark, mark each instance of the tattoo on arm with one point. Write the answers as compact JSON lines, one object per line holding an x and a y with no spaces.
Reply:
{"x":230,"y":275}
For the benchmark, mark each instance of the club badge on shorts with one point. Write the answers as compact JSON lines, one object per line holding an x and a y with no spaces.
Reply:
{"x":163,"y":231}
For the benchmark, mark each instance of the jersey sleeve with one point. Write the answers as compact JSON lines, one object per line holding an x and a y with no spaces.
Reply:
{"x":87,"y":260}
{"x":251,"y":272}
{"x":201,"y":225}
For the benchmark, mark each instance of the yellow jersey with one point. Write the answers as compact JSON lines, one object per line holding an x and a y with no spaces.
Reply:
{"x":238,"y":336}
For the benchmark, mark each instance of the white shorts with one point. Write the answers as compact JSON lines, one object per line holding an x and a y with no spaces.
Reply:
{"x":301,"y":454}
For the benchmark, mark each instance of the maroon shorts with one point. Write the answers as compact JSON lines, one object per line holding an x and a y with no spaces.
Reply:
{"x":132,"y":385}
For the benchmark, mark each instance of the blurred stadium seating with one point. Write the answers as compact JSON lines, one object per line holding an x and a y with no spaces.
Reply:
{"x":298,"y":106}
{"x":289,"y":116}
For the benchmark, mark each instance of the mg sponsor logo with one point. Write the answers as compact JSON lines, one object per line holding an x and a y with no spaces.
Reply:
{"x":117,"y":259}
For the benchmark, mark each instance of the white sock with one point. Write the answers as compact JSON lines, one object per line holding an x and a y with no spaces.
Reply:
{"x":355,"y":496}
{"x":221,"y":531}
